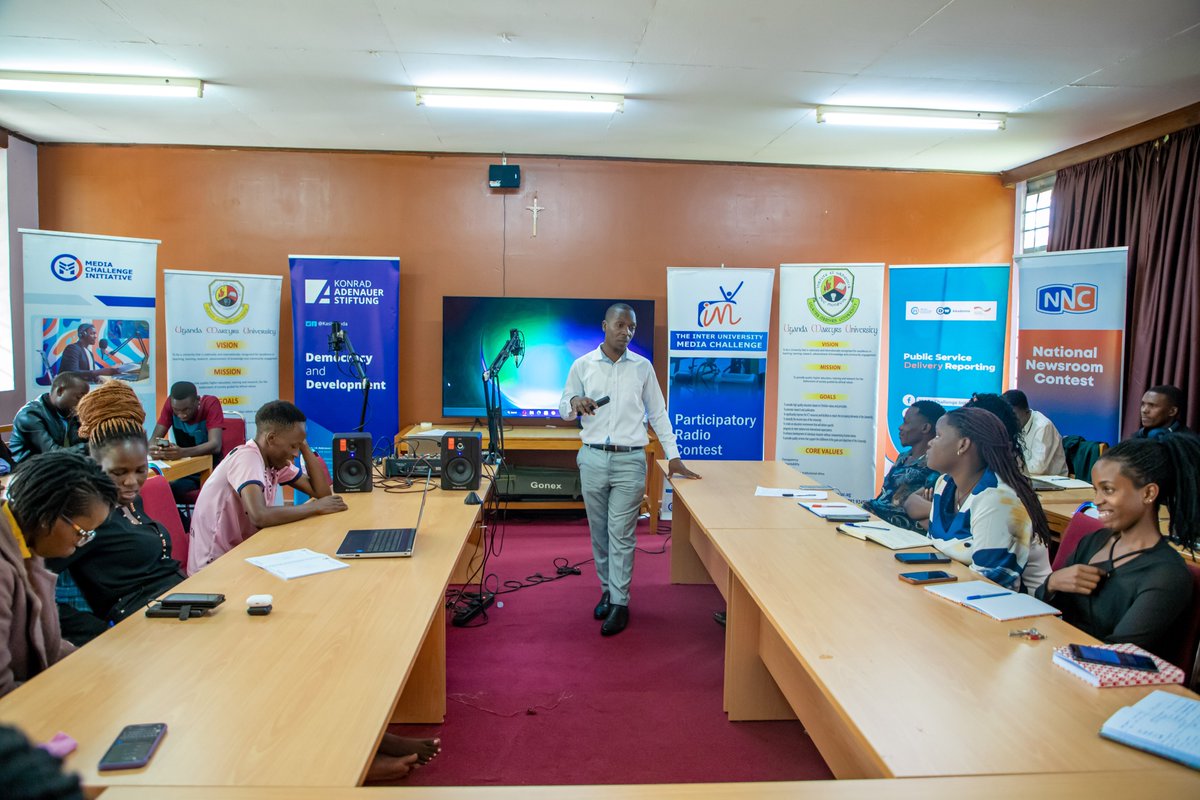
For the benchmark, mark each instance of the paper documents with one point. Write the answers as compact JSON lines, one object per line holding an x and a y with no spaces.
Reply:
{"x":1063,"y":482}
{"x":995,"y":601}
{"x":800,"y":494}
{"x":839,"y":512}
{"x":1162,"y":723}
{"x":297,"y":563}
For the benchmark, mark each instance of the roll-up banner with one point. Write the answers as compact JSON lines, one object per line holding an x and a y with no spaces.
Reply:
{"x":89,"y":307}
{"x":947,"y":335}
{"x":362,"y":295}
{"x":1071,"y":341}
{"x":223,"y":336}
{"x":718,"y":322}
{"x":830,"y":317}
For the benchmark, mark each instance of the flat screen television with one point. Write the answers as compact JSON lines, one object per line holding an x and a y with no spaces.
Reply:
{"x":557,"y":331}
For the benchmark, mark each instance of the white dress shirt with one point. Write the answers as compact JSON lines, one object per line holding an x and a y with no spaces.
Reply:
{"x":1042,"y":446}
{"x":634,"y":395}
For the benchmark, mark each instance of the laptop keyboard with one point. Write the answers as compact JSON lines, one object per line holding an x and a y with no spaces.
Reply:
{"x":390,"y":540}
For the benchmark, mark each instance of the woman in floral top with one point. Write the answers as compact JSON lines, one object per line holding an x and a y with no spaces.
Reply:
{"x":910,"y":473}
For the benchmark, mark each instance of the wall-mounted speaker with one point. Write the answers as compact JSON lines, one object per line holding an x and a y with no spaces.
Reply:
{"x":461,"y":460}
{"x":352,"y":462}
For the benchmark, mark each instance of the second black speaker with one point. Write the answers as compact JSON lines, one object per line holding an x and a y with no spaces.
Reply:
{"x":461,"y":453}
{"x":352,"y":462}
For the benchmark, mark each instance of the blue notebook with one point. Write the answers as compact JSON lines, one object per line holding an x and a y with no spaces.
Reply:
{"x":1161,"y":723}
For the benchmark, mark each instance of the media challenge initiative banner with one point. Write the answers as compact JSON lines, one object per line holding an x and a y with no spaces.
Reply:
{"x":363,"y":294}
{"x":106,"y":282}
{"x":718,"y":322}
{"x":223,"y":336}
{"x":1071,"y":342}
{"x":830,"y":316}
{"x":947,"y":333}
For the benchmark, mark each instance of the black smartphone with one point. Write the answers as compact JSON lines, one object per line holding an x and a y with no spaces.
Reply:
{"x":133,"y":746}
{"x":922,"y":558}
{"x":178,"y":599}
{"x":933,"y":576}
{"x":1112,"y":658}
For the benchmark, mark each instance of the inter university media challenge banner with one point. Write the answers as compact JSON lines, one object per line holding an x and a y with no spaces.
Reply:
{"x":947,"y":334}
{"x":830,"y":316}
{"x":223,"y":336}
{"x":718,"y":321}
{"x":73,"y":279}
{"x":1071,"y":341}
{"x":364,"y":295}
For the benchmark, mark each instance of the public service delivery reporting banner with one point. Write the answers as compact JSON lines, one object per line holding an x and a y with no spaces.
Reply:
{"x":89,"y":307}
{"x":362,"y":294}
{"x":947,"y":335}
{"x":1071,"y":340}
{"x":830,"y":318}
{"x":718,"y":322}
{"x":223,"y":336}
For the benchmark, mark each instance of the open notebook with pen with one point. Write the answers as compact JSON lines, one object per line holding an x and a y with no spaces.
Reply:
{"x":995,"y":601}
{"x":890,"y":536}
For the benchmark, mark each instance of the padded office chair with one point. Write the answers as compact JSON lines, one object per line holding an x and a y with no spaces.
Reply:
{"x":159,"y":504}
{"x":1185,"y":633}
{"x":1082,"y":455}
{"x":1080,"y":526}
{"x":233,"y":435}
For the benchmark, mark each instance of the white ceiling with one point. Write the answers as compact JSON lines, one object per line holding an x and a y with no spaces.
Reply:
{"x":703,"y":79}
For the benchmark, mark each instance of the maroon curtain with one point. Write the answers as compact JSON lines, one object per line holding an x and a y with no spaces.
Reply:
{"x":1148,"y":198}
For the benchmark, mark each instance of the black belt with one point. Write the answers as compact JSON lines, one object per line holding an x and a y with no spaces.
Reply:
{"x":614,"y":448}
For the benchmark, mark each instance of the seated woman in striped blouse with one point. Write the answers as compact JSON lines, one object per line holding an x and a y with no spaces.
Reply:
{"x":985,"y":513}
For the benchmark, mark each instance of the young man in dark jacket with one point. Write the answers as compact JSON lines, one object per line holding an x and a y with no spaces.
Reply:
{"x":49,"y":423}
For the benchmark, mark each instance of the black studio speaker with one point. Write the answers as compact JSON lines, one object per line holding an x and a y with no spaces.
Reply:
{"x":461,"y":460}
{"x":352,"y":462}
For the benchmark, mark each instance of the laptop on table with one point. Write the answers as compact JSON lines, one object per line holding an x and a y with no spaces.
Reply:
{"x":383,"y":542}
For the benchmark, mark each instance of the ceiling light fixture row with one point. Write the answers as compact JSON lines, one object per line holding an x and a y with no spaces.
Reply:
{"x":911,"y":118}
{"x":66,"y":83}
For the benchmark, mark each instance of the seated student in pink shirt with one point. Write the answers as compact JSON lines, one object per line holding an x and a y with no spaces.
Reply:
{"x":239,"y":498}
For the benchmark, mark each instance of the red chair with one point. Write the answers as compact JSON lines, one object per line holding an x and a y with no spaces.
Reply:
{"x":1185,"y":633}
{"x":233,"y":435}
{"x":159,"y":504}
{"x":1079,"y":526}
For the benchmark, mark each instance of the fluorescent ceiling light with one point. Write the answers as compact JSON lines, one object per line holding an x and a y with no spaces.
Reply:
{"x":505,"y":100}
{"x":65,"y":83}
{"x":911,"y":118}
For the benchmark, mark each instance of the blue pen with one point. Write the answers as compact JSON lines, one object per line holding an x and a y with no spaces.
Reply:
{"x":986,"y":596}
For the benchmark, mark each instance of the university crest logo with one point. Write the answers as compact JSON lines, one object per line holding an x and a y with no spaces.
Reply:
{"x":833,"y":301}
{"x":225,"y":302}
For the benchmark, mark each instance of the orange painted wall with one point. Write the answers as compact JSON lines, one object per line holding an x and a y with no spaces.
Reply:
{"x":610,"y":227}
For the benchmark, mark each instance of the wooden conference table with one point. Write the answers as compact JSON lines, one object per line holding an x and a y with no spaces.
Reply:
{"x":1086,"y":786}
{"x":191,"y":465}
{"x":888,"y":679}
{"x":297,"y":698}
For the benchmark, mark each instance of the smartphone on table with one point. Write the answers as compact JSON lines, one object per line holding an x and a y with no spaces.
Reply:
{"x":133,"y":747}
{"x":1112,"y":658}
{"x":178,"y":599}
{"x":922,"y":558}
{"x":922,"y":578}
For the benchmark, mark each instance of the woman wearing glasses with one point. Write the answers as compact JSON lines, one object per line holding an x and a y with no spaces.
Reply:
{"x":54,"y":503}
{"x":130,"y":562}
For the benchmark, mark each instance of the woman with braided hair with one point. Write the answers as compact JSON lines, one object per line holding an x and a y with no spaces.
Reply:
{"x":985,"y":512}
{"x":129,"y":563}
{"x":1125,"y":583}
{"x":55,"y":501}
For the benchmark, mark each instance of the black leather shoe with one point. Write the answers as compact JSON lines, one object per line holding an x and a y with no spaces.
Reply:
{"x":618,"y":618}
{"x":602,"y":608}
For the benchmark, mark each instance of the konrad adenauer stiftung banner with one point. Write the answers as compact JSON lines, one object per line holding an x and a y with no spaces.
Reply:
{"x":362,"y":294}
{"x":223,"y":336}
{"x":89,"y":306}
{"x":1071,"y":343}
{"x":830,"y":317}
{"x":718,"y":322}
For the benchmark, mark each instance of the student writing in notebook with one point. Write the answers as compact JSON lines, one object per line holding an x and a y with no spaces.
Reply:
{"x":238,"y":499}
{"x":1125,"y":583}
{"x":985,"y":513}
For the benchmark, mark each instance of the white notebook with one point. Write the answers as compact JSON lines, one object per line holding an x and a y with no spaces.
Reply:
{"x":886,"y":534}
{"x":837,"y":511}
{"x":1063,"y":482}
{"x":1162,"y":723}
{"x":995,"y":601}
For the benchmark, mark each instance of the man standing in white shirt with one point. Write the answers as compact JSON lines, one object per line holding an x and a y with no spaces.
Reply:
{"x":613,"y":391}
{"x":1041,"y":443}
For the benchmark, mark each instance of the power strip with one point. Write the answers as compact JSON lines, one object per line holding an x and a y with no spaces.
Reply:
{"x":474,"y":607}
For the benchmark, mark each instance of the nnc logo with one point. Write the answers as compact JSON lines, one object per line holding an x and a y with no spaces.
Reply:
{"x":713,"y":312}
{"x":317,"y":291}
{"x":1057,"y":298}
{"x":66,"y":267}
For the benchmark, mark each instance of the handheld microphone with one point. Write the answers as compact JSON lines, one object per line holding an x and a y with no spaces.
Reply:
{"x":602,"y":401}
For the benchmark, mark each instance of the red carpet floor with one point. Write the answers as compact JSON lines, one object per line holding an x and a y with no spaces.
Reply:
{"x":537,"y":696}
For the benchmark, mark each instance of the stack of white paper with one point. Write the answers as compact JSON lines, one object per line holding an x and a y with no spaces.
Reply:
{"x":297,"y":563}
